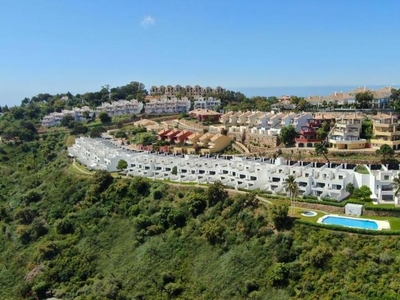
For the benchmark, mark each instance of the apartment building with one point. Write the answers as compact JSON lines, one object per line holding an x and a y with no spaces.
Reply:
{"x":340,"y":98}
{"x":321,"y":180}
{"x":308,"y":133}
{"x":78,"y":114}
{"x":207,"y":103}
{"x":386,"y":130}
{"x":167,"y":105}
{"x":300,"y":120}
{"x":195,"y":91}
{"x":121,"y":107}
{"x":346,"y":132}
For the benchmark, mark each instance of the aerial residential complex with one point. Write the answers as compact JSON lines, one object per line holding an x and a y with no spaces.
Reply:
{"x":321,"y":180}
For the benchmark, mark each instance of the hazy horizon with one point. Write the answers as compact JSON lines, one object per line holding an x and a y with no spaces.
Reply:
{"x":267,"y":91}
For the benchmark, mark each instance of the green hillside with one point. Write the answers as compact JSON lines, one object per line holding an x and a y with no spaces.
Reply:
{"x":99,"y":237}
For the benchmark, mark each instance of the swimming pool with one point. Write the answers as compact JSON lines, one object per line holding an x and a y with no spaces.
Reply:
{"x":352,"y":222}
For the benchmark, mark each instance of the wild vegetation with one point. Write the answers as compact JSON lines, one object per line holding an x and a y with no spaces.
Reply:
{"x":74,"y":234}
{"x":101,"y":237}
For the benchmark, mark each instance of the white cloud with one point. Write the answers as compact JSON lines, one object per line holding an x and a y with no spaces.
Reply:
{"x":148,"y":21}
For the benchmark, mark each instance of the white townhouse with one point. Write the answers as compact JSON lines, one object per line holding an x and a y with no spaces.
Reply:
{"x":121,"y":107}
{"x":300,"y":120}
{"x":381,"y":184}
{"x":253,"y":118}
{"x":206,"y":103}
{"x":224,"y":118}
{"x":77,"y":113}
{"x":321,"y":180}
{"x":167,"y":105}
{"x":275,"y":120}
{"x":98,"y":154}
{"x":262,"y":121}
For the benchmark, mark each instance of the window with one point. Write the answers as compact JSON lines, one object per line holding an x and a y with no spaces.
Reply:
{"x":386,"y":177}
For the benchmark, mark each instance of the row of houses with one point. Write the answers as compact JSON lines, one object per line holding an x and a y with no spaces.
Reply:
{"x":78,"y":114}
{"x":346,"y":131}
{"x":210,"y":142}
{"x":345,"y":128}
{"x":162,"y":105}
{"x":265,"y":120}
{"x":321,"y":180}
{"x":195,"y":91}
{"x":340,"y":98}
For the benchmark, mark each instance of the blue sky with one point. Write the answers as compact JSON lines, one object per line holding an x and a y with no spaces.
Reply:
{"x":57,"y":46}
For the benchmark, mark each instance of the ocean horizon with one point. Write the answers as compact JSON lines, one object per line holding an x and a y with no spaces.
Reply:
{"x":302,"y":91}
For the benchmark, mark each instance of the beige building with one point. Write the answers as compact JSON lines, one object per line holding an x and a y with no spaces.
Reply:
{"x":217,"y":143}
{"x":346,"y":132}
{"x":386,"y":130}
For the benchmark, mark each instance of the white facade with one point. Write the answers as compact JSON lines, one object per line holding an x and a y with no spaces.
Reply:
{"x":167,"y":105}
{"x":206,"y":103}
{"x":300,"y":120}
{"x":328,"y":180}
{"x":77,"y":113}
{"x":121,"y":107}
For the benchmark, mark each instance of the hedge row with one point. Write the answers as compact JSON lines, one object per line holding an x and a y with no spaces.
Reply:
{"x":348,"y":229}
{"x":380,"y":208}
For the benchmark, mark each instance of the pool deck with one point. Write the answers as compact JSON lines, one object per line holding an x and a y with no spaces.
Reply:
{"x":382,"y":225}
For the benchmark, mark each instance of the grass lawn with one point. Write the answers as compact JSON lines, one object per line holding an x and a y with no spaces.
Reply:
{"x":70,"y":140}
{"x":79,"y":170}
{"x":296,"y":213}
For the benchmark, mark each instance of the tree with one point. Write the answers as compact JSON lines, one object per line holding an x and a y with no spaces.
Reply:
{"x":216,"y":193}
{"x":366,"y":130}
{"x":122,"y":165}
{"x":174,"y":170}
{"x":79,"y":128}
{"x":288,"y":134}
{"x":197,"y":204}
{"x":395,"y":99}
{"x":364,"y":99}
{"x":86,"y":115}
{"x":97,"y":131}
{"x":104,"y":117}
{"x":321,"y":149}
{"x":396,"y":184}
{"x":67,"y":121}
{"x":120,"y":134}
{"x":323,"y":131}
{"x":279,"y":215}
{"x":213,"y":232}
{"x":386,"y":151}
{"x":292,"y":187}
{"x":363,"y":193}
{"x":350,"y":188}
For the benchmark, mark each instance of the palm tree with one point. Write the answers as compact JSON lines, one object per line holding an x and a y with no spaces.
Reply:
{"x":321,"y":149}
{"x":396,"y":185}
{"x":292,"y":187}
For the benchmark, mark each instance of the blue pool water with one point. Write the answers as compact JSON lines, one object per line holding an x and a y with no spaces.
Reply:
{"x":349,"y":222}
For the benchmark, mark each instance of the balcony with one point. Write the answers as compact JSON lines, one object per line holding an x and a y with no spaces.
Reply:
{"x":307,"y":140}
